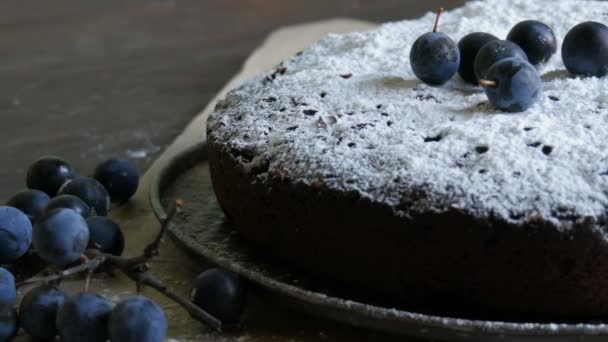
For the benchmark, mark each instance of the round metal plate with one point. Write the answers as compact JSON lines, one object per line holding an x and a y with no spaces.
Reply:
{"x":204,"y":231}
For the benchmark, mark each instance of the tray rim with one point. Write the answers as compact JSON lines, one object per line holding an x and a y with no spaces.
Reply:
{"x":189,"y":157}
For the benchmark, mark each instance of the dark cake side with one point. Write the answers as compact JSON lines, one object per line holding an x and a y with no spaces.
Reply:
{"x":529,"y":271}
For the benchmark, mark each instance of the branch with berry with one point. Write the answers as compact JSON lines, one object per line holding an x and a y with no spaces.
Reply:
{"x":62,"y":223}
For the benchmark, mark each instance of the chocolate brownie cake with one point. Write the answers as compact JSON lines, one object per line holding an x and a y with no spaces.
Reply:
{"x":342,"y":164}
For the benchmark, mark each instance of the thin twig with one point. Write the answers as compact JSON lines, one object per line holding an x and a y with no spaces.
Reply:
{"x":87,"y":281}
{"x":152,"y":249}
{"x":87,"y":278}
{"x":88,"y":266}
{"x":488,"y":83}
{"x":148,"y":279}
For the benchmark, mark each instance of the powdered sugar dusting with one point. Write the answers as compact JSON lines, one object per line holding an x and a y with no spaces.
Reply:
{"x":350,"y":113}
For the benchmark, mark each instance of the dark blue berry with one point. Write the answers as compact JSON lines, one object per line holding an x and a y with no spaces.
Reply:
{"x":493,"y":52}
{"x":48,"y":174}
{"x":8,"y":291}
{"x":468,"y":46}
{"x":61,"y":236}
{"x":516,"y":85}
{"x":69,"y":202}
{"x":105,"y":235}
{"x":90,"y":191}
{"x":84,"y":318}
{"x":15,"y":234}
{"x":120,"y":177}
{"x":536,"y":39}
{"x":30,"y":202}
{"x":220,"y":293}
{"x":9,"y":323}
{"x":585,"y":49}
{"x":38,"y":311}
{"x":138,"y":319}
{"x":434,"y":57}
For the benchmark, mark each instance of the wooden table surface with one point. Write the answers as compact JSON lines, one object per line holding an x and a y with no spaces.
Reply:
{"x":87,"y":80}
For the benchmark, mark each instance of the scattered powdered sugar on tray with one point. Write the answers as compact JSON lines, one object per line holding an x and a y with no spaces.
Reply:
{"x":350,"y":113}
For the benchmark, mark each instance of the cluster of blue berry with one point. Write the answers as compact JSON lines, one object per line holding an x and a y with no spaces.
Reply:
{"x":58,"y":218}
{"x":506,"y":68}
{"x":62,"y":214}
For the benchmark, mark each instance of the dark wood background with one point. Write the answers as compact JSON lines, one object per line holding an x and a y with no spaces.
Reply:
{"x":87,"y":80}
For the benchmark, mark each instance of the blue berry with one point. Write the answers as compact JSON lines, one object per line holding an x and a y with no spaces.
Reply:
{"x":84,"y":318}
{"x":38,"y":311}
{"x":434,"y":57}
{"x":493,"y":52}
{"x":30,"y":202}
{"x":105,"y":235}
{"x":48,"y":174}
{"x":120,"y":177}
{"x":138,"y":319}
{"x":512,"y":85}
{"x":585,"y":49}
{"x":9,"y":323}
{"x":220,"y":293}
{"x":468,"y":46}
{"x":61,"y":236}
{"x":8,"y":291}
{"x":90,"y":191}
{"x":69,"y":202}
{"x":15,"y":234}
{"x":536,"y":39}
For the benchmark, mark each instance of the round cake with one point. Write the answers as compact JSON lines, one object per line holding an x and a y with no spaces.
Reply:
{"x":342,"y":164}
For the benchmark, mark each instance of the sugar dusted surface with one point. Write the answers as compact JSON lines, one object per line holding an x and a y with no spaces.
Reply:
{"x":349,"y":112}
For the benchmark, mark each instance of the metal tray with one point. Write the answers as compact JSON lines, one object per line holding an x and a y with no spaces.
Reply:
{"x":204,"y":231}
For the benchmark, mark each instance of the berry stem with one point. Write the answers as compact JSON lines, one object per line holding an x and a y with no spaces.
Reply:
{"x":87,"y":281}
{"x":439,"y":12}
{"x":148,"y":279}
{"x":152,"y":249}
{"x":488,"y":83}
{"x":91,"y":264}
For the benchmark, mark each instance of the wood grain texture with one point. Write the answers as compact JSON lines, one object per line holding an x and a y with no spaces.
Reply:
{"x":87,"y":80}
